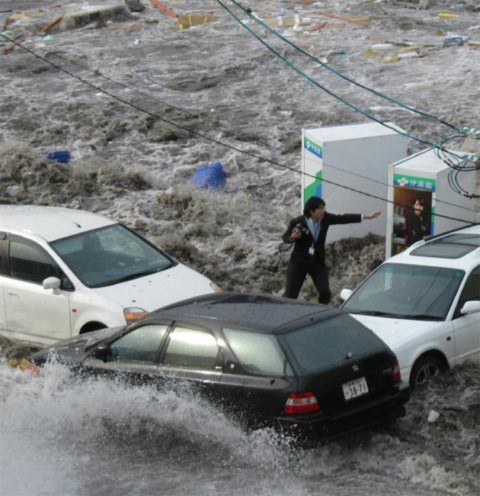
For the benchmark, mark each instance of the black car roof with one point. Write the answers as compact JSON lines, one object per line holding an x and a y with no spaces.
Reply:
{"x":245,"y":311}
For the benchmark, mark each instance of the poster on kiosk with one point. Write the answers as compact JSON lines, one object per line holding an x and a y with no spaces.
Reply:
{"x":422,"y":203}
{"x":414,"y":211}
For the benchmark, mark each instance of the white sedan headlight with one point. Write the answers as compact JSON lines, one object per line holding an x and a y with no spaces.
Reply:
{"x":216,"y":288}
{"x":132,"y":314}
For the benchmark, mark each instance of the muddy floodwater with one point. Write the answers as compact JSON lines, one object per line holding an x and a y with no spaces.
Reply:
{"x":61,"y":435}
{"x":140,"y":104}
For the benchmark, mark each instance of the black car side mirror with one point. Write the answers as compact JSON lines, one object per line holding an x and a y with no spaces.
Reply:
{"x":103,"y":352}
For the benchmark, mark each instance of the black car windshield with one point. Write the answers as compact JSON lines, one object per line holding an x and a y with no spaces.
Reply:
{"x":110,"y":255}
{"x":407,"y":292}
{"x":327,"y":343}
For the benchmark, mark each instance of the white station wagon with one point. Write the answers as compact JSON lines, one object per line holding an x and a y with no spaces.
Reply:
{"x":425,"y":304}
{"x":65,"y":272}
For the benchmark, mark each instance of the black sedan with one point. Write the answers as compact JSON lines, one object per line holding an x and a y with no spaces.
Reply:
{"x":306,"y":368}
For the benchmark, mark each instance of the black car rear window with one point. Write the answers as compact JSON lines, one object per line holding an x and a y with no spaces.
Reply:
{"x":329,"y":342}
{"x":258,"y":353}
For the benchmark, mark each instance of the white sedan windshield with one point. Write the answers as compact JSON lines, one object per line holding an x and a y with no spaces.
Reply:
{"x":110,"y":255}
{"x":407,"y":292}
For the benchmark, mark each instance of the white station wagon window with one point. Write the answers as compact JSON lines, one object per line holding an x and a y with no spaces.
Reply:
{"x":30,"y":263}
{"x":140,"y":345}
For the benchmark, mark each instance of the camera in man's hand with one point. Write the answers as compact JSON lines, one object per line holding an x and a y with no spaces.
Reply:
{"x":300,"y":228}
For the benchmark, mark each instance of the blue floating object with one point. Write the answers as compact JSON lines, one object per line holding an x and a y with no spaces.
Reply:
{"x":62,"y":156}
{"x":210,"y":176}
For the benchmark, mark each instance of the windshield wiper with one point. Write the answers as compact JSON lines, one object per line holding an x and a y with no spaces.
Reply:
{"x":136,"y":275}
{"x":377,"y":313}
{"x":423,"y":316}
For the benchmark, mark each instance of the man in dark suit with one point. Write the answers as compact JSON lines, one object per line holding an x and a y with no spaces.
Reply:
{"x":309,"y":233}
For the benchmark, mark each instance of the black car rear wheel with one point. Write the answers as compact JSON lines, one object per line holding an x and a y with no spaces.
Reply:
{"x":425,"y":368}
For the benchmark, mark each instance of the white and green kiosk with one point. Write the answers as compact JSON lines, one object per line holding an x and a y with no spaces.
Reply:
{"x":425,"y":176}
{"x":345,"y":164}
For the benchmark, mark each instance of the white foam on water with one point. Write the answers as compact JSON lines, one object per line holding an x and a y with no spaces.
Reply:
{"x":58,"y":427}
{"x":69,"y":435}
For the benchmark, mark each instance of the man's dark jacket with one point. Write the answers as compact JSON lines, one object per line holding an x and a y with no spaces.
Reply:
{"x":302,"y":245}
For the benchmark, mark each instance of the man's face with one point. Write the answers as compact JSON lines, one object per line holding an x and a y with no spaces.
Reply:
{"x":418,"y":209}
{"x":318,"y":214}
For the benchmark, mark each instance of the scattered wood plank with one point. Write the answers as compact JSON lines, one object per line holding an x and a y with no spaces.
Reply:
{"x":351,"y":20}
{"x":50,"y":26}
{"x":163,"y":8}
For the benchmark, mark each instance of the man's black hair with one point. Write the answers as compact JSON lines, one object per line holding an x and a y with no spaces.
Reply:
{"x":312,"y":204}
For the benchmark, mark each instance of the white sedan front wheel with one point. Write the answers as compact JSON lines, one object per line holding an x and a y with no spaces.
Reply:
{"x":424,"y":369}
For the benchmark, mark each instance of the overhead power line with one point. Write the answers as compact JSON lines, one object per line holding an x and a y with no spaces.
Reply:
{"x":373,"y":91}
{"x":203,"y":136}
{"x":459,"y":160}
{"x":452,"y":181}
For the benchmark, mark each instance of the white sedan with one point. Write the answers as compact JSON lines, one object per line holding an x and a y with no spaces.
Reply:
{"x":65,"y":272}
{"x":425,"y":304}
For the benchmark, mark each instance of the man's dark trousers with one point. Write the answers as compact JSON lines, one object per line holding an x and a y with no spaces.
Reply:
{"x":298,"y":268}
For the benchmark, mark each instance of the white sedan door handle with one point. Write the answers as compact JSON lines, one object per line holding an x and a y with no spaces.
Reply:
{"x":15,"y":295}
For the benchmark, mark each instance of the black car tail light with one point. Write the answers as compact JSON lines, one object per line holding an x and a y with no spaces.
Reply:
{"x":301,"y":403}
{"x":397,"y":376}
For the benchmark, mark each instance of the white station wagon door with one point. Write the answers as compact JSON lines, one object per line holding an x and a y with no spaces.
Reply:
{"x":33,"y":312}
{"x":467,"y":327}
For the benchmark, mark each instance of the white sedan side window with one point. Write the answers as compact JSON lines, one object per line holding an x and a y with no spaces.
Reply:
{"x":471,"y":290}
